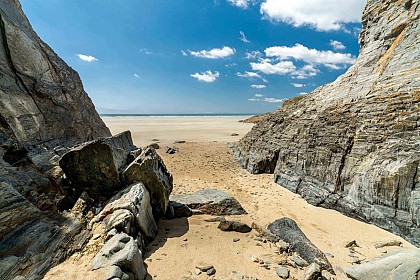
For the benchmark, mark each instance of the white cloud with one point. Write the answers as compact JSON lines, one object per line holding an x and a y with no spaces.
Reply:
{"x":184,"y":53}
{"x":272,"y":100}
{"x":251,"y":75}
{"x":305,"y":72}
{"x":146,"y":51}
{"x":323,"y":15}
{"x":253,"y":55}
{"x":243,"y":37}
{"x":337,"y":45}
{"x":303,"y":93}
{"x":137,"y":76}
{"x":241,"y":3}
{"x":258,"y":86}
{"x":214,"y":53}
{"x":300,"y":52}
{"x":259,"y":95}
{"x":297,"y":85}
{"x":87,"y":58}
{"x":280,"y":68}
{"x":231,"y":64}
{"x":207,"y":77}
{"x":253,"y":99}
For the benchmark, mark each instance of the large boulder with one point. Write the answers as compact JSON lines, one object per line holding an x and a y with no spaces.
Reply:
{"x":354,"y":145}
{"x":120,"y":258}
{"x":210,"y":201}
{"x":402,"y":264}
{"x":94,"y":166}
{"x":287,"y":230}
{"x":129,"y":211}
{"x":149,"y":169}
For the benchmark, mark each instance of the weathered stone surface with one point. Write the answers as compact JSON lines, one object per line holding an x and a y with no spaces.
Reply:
{"x":353,"y":145}
{"x":120,"y":251}
{"x":210,"y":201}
{"x":403,"y":264}
{"x":234,"y":226}
{"x":283,"y":272}
{"x":149,"y":169}
{"x":94,"y":166}
{"x":288,"y":230}
{"x":43,"y":111}
{"x":129,"y":210}
{"x":180,"y":210}
{"x":312,"y":272}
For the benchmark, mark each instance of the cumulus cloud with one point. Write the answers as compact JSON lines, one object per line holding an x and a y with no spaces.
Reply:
{"x":207,"y":76}
{"x":300,"y":52}
{"x":280,"y":68}
{"x":241,"y":3}
{"x":87,"y":58}
{"x":305,"y":72}
{"x":323,"y":15}
{"x":337,"y":45}
{"x":251,"y":75}
{"x":253,"y":55}
{"x":214,"y":53}
{"x":272,"y":100}
{"x":259,"y":95}
{"x":243,"y":37}
{"x":258,"y":86}
{"x":297,"y":85}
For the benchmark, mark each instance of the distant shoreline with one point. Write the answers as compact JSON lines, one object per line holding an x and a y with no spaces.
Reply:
{"x":177,"y":115}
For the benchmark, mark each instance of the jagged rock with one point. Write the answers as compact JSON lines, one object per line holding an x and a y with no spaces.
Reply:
{"x":170,"y":150}
{"x":353,"y":145}
{"x":403,"y":264}
{"x":94,"y":166}
{"x":283,"y":272}
{"x":149,"y":169}
{"x":129,"y":210}
{"x":210,"y":201}
{"x":234,"y":226}
{"x":180,"y":210}
{"x":312,"y":272}
{"x":287,"y":230}
{"x":120,"y":251}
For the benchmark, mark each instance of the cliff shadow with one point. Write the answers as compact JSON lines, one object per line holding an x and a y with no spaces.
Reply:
{"x":167,"y":229}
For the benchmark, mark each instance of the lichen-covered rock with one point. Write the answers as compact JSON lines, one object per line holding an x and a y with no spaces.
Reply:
{"x":210,"y":201}
{"x":149,"y":169}
{"x":354,"y":145}
{"x":94,"y":166}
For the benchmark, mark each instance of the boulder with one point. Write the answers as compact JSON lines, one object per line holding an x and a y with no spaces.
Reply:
{"x":402,"y":264}
{"x":180,"y":210}
{"x":94,"y":166}
{"x":283,"y":272}
{"x":149,"y":169}
{"x":211,"y":201}
{"x":234,"y":226}
{"x":128,"y":211}
{"x":287,"y":230}
{"x":120,"y":256}
{"x":312,"y":272}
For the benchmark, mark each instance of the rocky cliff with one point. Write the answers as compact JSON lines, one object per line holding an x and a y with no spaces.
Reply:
{"x":354,"y":145}
{"x":43,"y":111}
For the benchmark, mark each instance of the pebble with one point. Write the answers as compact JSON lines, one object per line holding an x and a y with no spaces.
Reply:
{"x":211,"y":271}
{"x":204,"y":267}
{"x":282,"y":272}
{"x":197,"y":271}
{"x":236,"y":239}
{"x":299,"y":261}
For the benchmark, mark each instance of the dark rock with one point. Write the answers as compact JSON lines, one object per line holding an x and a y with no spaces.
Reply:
{"x":128,"y":211}
{"x":234,"y":134}
{"x":179,"y":142}
{"x":312,"y":272}
{"x":210,"y":201}
{"x":217,"y":219}
{"x":388,"y":243}
{"x":154,"y":146}
{"x":181,"y":210}
{"x":211,"y":271}
{"x":352,"y":244}
{"x":287,"y":230}
{"x":204,"y":267}
{"x":170,"y":150}
{"x":94,"y":166}
{"x":234,"y":226}
{"x":121,"y":251}
{"x":402,"y":264}
{"x":149,"y":169}
{"x":353,"y":145}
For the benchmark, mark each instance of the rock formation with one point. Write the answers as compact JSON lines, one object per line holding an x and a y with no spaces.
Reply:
{"x":354,"y":145}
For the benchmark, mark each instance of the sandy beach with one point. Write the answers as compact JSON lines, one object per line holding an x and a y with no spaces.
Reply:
{"x":204,"y":161}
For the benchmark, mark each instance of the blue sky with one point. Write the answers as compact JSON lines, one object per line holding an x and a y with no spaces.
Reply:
{"x":199,"y":56}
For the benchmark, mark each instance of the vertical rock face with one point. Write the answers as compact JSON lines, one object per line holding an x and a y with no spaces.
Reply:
{"x":354,"y":145}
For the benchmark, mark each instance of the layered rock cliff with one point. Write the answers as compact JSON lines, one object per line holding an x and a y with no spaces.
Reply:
{"x":43,"y":111}
{"x":354,"y":145}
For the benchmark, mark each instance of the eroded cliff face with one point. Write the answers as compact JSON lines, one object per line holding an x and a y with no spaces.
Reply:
{"x":354,"y":145}
{"x":43,"y":111}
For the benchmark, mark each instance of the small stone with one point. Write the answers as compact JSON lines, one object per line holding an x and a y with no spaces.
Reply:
{"x":282,"y":272}
{"x":255,"y":259}
{"x":388,"y":243}
{"x":217,"y":219}
{"x":236,"y":239}
{"x":154,"y":146}
{"x":170,"y":150}
{"x":155,"y":140}
{"x":299,"y":261}
{"x":258,"y":238}
{"x":258,"y":244}
{"x":204,"y":267}
{"x":179,"y":142}
{"x":312,"y":272}
{"x":197,"y":271}
{"x":234,"y":134}
{"x":352,"y":244}
{"x":283,"y":246}
{"x":234,"y":226}
{"x":211,"y":271}
{"x":96,"y":236}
